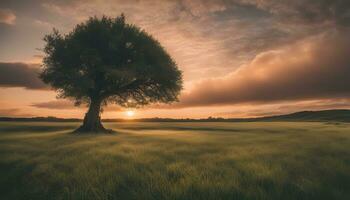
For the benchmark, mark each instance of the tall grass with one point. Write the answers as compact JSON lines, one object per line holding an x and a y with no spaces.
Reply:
{"x":268,"y":160}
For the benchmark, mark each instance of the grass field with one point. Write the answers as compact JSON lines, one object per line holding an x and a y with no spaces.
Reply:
{"x":265,"y":160}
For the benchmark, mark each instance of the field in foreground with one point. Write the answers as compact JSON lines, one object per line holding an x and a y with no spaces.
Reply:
{"x":265,"y":160}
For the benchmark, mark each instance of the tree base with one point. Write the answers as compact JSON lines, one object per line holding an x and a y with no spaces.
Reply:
{"x":95,"y":130}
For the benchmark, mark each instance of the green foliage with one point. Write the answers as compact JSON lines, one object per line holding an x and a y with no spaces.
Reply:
{"x":265,"y":160}
{"x":108,"y":60}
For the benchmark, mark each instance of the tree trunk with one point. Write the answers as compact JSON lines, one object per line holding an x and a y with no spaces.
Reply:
{"x":92,"y":120}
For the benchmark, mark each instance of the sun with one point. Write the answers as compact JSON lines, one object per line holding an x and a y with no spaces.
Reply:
{"x":130,"y":113}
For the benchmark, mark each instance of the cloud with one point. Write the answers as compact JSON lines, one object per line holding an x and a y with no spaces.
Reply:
{"x":62,"y":104}
{"x":8,"y":111}
{"x":307,"y":11}
{"x":42,"y":23}
{"x":20,"y":75}
{"x":206,"y":36}
{"x":313,"y":68}
{"x":13,"y":112}
{"x":35,"y":60}
{"x":7,"y":17}
{"x":324,"y":104}
{"x":69,"y":105}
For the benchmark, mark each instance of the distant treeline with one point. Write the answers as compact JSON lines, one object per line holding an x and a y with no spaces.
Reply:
{"x":39,"y":119}
{"x":324,"y":115}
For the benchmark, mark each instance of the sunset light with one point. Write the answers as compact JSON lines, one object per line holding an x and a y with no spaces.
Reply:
{"x":175,"y":99}
{"x":130,"y":113}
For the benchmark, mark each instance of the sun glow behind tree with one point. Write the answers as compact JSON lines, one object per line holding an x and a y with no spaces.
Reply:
{"x":130,"y":113}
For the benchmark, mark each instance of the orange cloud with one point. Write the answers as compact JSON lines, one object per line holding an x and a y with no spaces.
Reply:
{"x":13,"y":112}
{"x":314,"y":68}
{"x":7,"y":17}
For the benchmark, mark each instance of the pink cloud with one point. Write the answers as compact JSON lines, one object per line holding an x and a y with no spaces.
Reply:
{"x":7,"y":17}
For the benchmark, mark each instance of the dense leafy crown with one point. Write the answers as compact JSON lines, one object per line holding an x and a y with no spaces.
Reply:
{"x":108,"y":60}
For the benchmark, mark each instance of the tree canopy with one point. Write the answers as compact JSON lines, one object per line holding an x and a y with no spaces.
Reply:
{"x":105,"y":60}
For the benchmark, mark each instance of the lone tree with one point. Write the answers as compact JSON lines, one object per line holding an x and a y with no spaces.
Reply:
{"x":105,"y":60}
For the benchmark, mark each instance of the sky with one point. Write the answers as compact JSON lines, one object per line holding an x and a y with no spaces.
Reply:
{"x":239,"y":58}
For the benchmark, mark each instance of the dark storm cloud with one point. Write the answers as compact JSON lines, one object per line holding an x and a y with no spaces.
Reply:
{"x":317,"y":67}
{"x":20,"y":75}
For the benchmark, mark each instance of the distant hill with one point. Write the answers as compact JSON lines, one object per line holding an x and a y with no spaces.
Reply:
{"x":323,"y":115}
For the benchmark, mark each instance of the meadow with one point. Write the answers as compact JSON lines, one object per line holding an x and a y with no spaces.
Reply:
{"x":193,"y":160}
